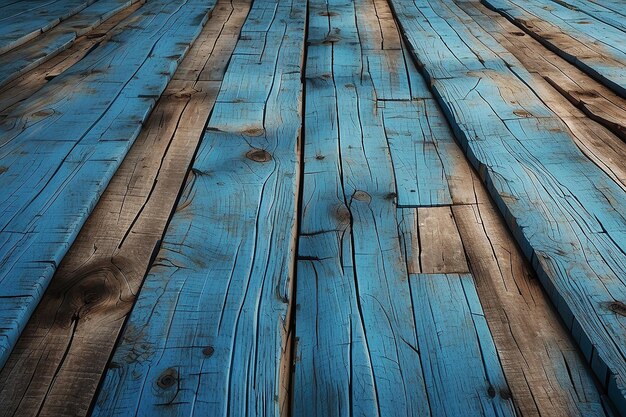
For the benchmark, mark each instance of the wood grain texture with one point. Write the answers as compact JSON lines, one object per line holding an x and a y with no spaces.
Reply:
{"x":209,"y":332}
{"x":551,"y":79}
{"x":56,"y":364}
{"x":544,"y":369}
{"x":16,"y":62}
{"x":592,"y":98}
{"x":357,"y":349}
{"x":56,"y":165}
{"x":567,"y":215}
{"x":22,"y":21}
{"x":459,"y":359}
{"x":595,"y":47}
{"x":28,"y":83}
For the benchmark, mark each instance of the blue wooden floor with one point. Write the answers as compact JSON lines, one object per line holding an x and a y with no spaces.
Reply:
{"x":313,"y":208}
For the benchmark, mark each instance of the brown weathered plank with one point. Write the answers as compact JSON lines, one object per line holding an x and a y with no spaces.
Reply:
{"x":56,"y":365}
{"x":543,"y":367}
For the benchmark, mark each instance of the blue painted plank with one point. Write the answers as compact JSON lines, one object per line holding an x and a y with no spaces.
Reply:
{"x":209,"y":332}
{"x":420,"y":175}
{"x":567,"y":214}
{"x":458,"y":356}
{"x":28,"y":19}
{"x":595,"y":47}
{"x":18,"y":61}
{"x":60,"y":147}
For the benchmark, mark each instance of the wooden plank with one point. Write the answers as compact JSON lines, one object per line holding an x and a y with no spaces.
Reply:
{"x":421,"y":179}
{"x":593,"y":46}
{"x":48,"y":153}
{"x":209,"y":332}
{"x":16,"y":62}
{"x":458,"y":356}
{"x":442,"y":251}
{"x":29,"y":19}
{"x":51,"y":370}
{"x":544,"y":369}
{"x":567,"y":215}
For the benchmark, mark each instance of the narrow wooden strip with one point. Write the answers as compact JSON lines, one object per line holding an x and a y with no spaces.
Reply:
{"x":55,"y":366}
{"x":33,"y":18}
{"x":16,"y":62}
{"x":458,"y":356}
{"x":209,"y":332}
{"x":419,"y":171}
{"x":567,"y":215}
{"x":56,"y":164}
{"x":597,"y":11}
{"x":593,"y":46}
{"x":442,"y":251}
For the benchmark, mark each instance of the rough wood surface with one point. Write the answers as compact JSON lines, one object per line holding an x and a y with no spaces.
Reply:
{"x":544,"y":369}
{"x":18,"y":61}
{"x":567,"y":214}
{"x":60,"y":147}
{"x":594,"y":99}
{"x":595,"y":47}
{"x":359,"y":332}
{"x":209,"y":332}
{"x":22,"y":21}
{"x":54,"y":369}
{"x":28,"y":83}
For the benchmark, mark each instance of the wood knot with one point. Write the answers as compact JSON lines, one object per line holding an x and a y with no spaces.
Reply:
{"x":391,"y":196}
{"x":208,"y":351}
{"x":342,"y":214}
{"x":4,"y":169}
{"x":618,"y":307}
{"x":259,"y":155}
{"x":44,"y":113}
{"x":168,"y":378}
{"x":254,"y":131}
{"x":318,"y":157}
{"x":491,"y":392}
{"x":362,"y":196}
{"x":505,"y":394}
{"x":327,"y":13}
{"x":518,"y":33}
{"x":522,"y":113}
{"x":332,"y":38}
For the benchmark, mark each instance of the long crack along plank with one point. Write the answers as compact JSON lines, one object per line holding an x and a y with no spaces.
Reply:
{"x":16,"y":62}
{"x":594,"y":46}
{"x":209,"y":334}
{"x":55,"y":165}
{"x":567,"y":215}
{"x":359,"y":331}
{"x":51,"y":370}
